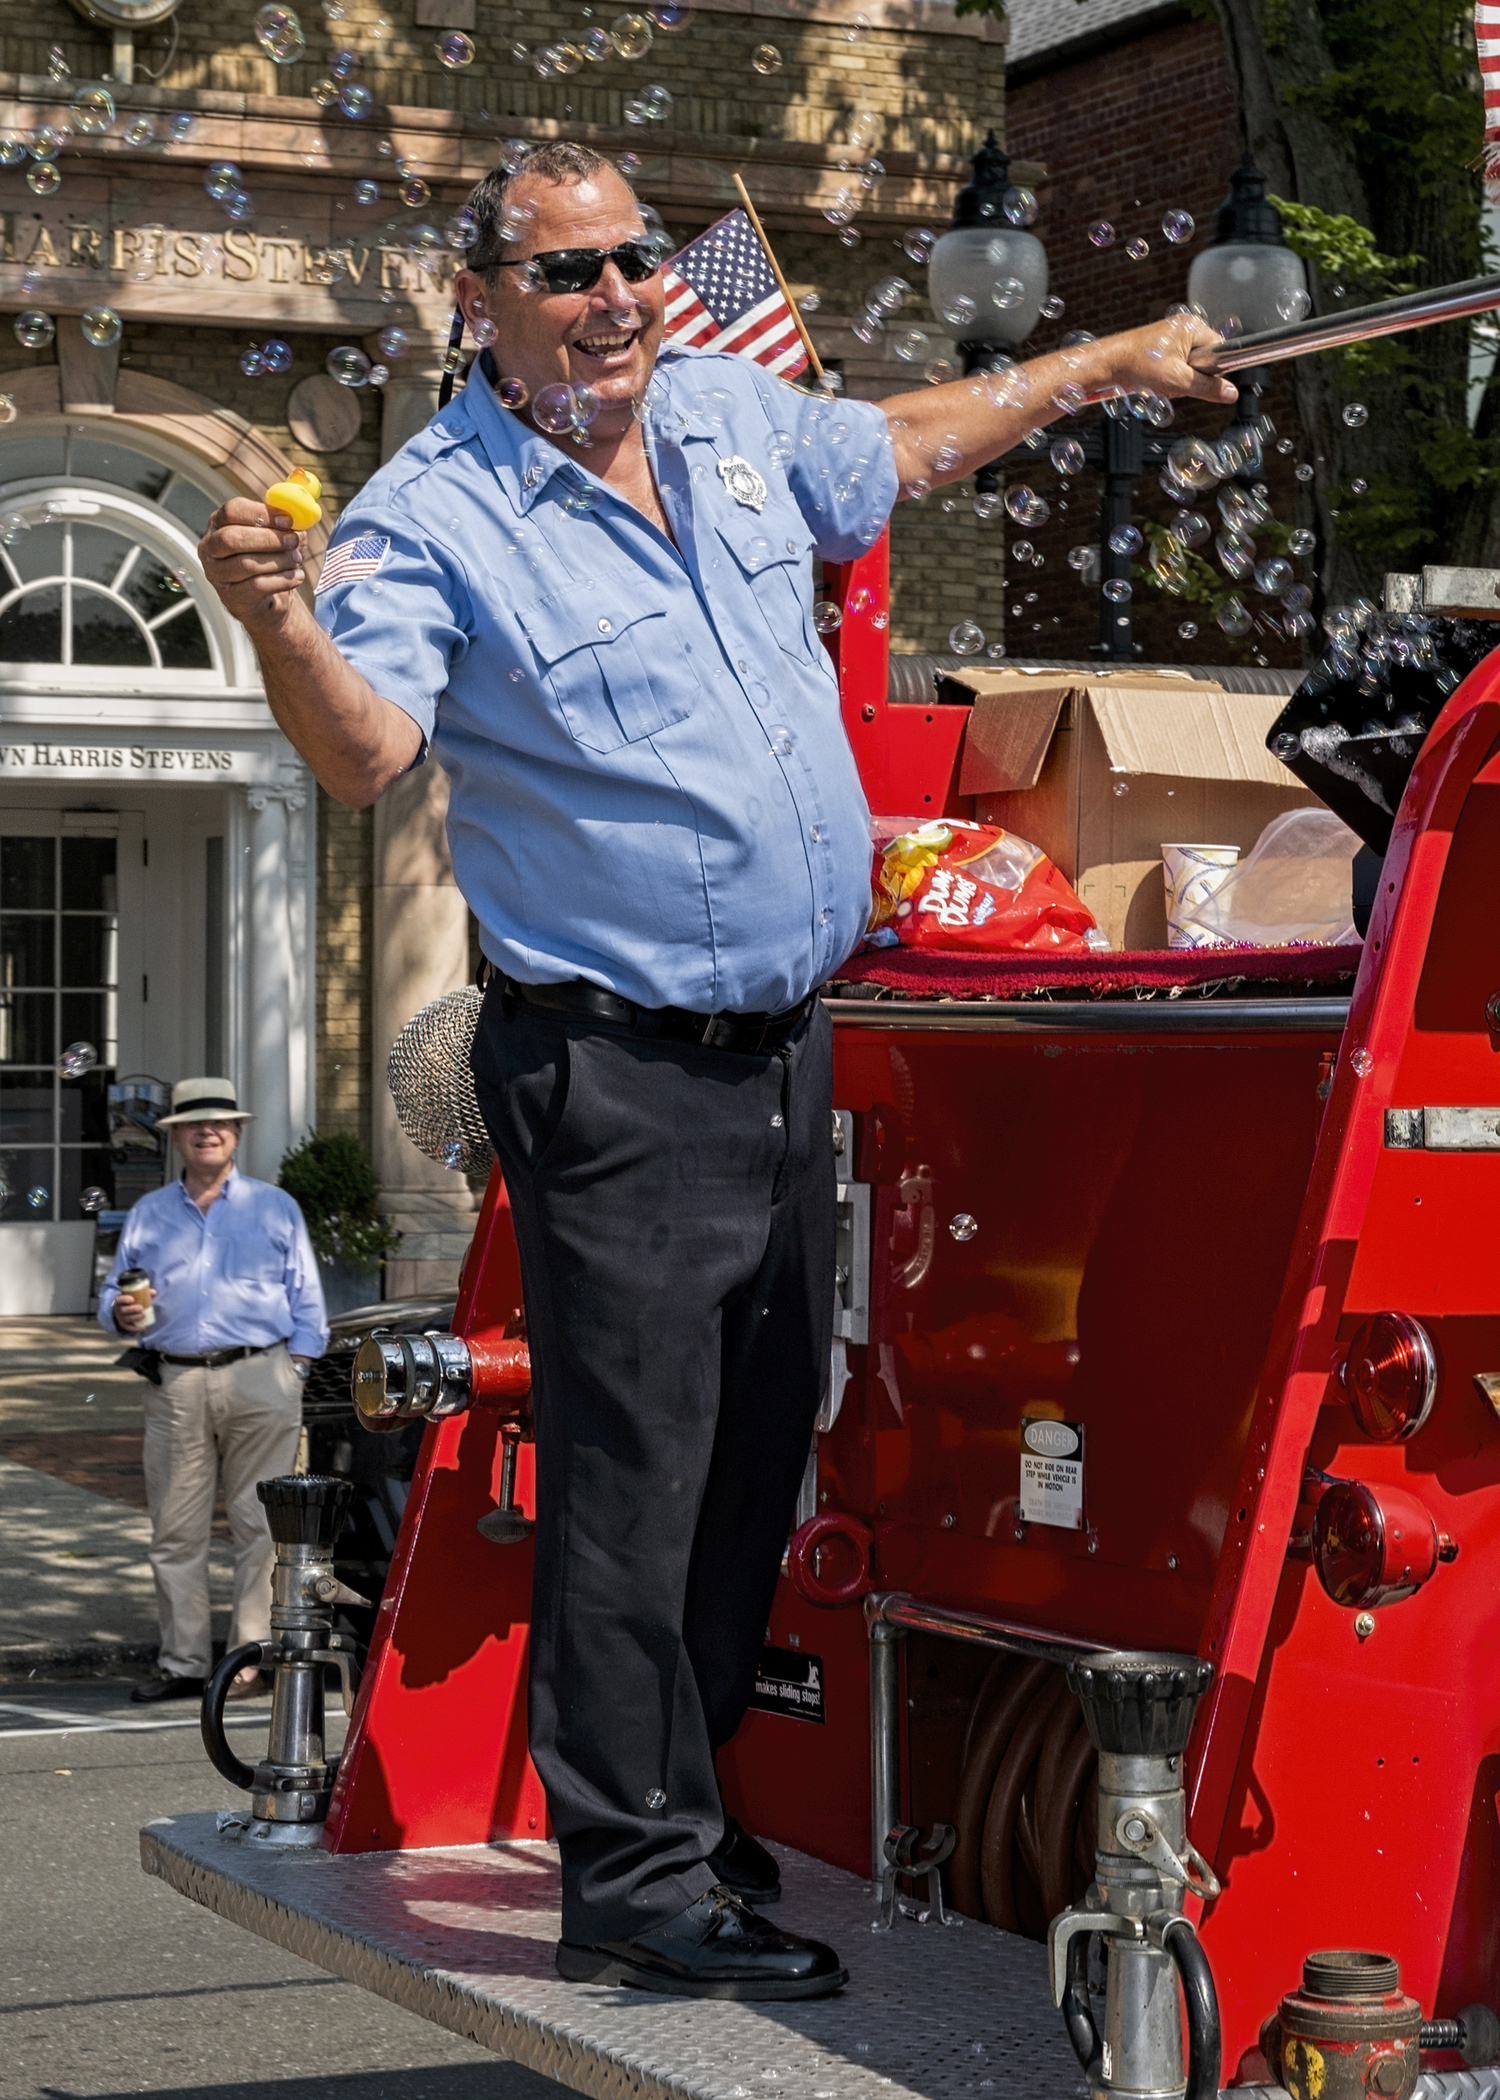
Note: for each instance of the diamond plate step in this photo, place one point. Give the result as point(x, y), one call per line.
point(465, 1937)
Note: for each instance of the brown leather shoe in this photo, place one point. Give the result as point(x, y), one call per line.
point(255, 1687)
point(165, 1686)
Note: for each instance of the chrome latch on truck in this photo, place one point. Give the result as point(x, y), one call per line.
point(851, 1318)
point(1442, 1129)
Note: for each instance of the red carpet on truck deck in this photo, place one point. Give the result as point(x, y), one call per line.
point(923, 974)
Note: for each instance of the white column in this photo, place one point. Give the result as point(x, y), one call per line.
point(421, 944)
point(408, 400)
point(271, 1006)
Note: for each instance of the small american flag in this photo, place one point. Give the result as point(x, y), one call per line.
point(1487, 37)
point(347, 563)
point(722, 294)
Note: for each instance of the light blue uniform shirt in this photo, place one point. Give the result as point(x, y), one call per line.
point(651, 784)
point(243, 1276)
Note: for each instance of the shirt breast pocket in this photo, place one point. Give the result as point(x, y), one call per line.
point(610, 661)
point(256, 1259)
point(774, 553)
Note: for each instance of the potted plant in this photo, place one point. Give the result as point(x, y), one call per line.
point(334, 1183)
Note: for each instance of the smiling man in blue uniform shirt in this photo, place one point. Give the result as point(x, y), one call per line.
point(657, 820)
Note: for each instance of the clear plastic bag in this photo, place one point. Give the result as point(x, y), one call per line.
point(1294, 888)
point(942, 883)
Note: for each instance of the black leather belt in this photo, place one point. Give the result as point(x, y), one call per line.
point(211, 1359)
point(745, 1033)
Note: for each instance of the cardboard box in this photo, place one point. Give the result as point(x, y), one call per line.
point(1101, 769)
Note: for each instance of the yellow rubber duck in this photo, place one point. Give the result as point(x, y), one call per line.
point(297, 497)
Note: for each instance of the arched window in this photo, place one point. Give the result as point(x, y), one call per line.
point(97, 565)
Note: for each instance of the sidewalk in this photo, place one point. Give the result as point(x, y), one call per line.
point(75, 1590)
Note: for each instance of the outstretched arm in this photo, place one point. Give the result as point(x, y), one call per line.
point(945, 432)
point(356, 742)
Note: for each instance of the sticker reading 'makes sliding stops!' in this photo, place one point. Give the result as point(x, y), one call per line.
point(1052, 1472)
point(789, 1682)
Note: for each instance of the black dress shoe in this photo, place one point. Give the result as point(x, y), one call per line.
point(744, 1866)
point(716, 1948)
point(167, 1687)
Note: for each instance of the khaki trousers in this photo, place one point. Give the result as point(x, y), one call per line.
point(242, 1420)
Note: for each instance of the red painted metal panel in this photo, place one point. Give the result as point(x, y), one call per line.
point(907, 756)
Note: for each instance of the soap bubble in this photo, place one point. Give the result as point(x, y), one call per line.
point(1121, 787)
point(1138, 249)
point(1301, 541)
point(1081, 558)
point(180, 126)
point(826, 616)
point(961, 311)
point(1008, 292)
point(454, 49)
point(966, 639)
point(350, 367)
point(77, 1059)
point(393, 343)
point(1295, 304)
point(1358, 487)
point(252, 363)
point(658, 103)
point(92, 1200)
point(344, 65)
point(140, 131)
point(238, 206)
point(1361, 1062)
point(1117, 589)
point(1355, 414)
point(221, 177)
point(1053, 307)
point(673, 15)
point(555, 409)
point(1020, 207)
point(1286, 746)
point(46, 142)
point(1191, 528)
point(1234, 617)
point(765, 58)
point(1067, 456)
point(919, 244)
point(1026, 506)
point(1125, 539)
point(849, 237)
point(1303, 471)
point(414, 192)
point(7, 409)
point(102, 327)
point(911, 346)
point(580, 501)
point(513, 394)
point(279, 34)
point(276, 355)
point(93, 110)
point(1178, 226)
point(45, 179)
point(12, 149)
point(781, 448)
point(38, 1197)
point(356, 100)
point(34, 331)
point(632, 35)
point(1101, 233)
point(1273, 576)
point(1236, 555)
point(379, 374)
point(1194, 463)
point(1188, 631)
point(1022, 550)
point(325, 93)
point(484, 331)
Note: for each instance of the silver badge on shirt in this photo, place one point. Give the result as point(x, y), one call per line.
point(742, 482)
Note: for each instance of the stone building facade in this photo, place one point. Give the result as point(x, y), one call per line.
point(237, 914)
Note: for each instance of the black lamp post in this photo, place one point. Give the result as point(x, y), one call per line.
point(986, 277)
point(1247, 279)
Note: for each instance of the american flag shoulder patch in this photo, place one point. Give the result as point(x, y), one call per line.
point(350, 560)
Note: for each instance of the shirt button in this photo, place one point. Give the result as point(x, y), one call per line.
point(743, 665)
point(824, 916)
point(606, 627)
point(783, 747)
point(791, 546)
point(816, 833)
point(776, 1122)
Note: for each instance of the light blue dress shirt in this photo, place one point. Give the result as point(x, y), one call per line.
point(651, 784)
point(243, 1275)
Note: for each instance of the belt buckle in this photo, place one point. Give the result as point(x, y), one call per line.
point(714, 1030)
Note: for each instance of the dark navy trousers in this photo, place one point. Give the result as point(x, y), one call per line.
point(674, 1209)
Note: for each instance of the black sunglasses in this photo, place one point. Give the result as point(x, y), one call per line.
point(579, 269)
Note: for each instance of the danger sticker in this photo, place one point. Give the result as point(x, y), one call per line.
point(789, 1682)
point(1052, 1473)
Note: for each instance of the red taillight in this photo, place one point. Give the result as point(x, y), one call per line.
point(1372, 1546)
point(1389, 1373)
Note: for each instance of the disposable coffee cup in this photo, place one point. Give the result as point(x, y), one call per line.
point(1193, 873)
point(135, 1284)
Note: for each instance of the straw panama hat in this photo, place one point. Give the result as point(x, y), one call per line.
point(205, 1101)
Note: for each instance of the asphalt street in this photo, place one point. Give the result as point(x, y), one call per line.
point(110, 1983)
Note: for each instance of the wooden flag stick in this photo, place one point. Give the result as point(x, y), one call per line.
point(786, 290)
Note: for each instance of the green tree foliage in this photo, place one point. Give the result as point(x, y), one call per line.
point(336, 1187)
